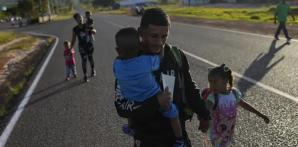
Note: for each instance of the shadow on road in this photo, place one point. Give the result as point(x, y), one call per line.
point(67, 86)
point(260, 67)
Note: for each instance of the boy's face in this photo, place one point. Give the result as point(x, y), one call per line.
point(154, 38)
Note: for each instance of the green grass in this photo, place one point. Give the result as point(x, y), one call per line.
point(264, 14)
point(14, 90)
point(25, 44)
point(64, 16)
point(6, 37)
point(105, 10)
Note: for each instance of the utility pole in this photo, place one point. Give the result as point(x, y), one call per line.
point(49, 10)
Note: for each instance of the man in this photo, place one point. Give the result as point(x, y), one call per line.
point(151, 129)
point(281, 14)
point(85, 46)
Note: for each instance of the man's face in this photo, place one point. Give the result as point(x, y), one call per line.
point(154, 38)
point(88, 15)
point(79, 19)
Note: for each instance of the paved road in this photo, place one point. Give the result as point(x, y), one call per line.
point(76, 114)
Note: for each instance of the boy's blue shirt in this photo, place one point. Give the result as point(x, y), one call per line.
point(135, 76)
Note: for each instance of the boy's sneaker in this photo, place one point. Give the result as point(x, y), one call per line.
point(127, 130)
point(180, 143)
point(289, 39)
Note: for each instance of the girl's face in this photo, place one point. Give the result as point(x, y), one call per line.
point(218, 84)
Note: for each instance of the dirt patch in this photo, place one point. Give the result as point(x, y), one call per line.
point(16, 72)
point(259, 28)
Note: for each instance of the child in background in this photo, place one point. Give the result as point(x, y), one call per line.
point(222, 100)
point(134, 74)
point(69, 55)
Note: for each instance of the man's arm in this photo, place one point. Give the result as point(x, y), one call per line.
point(192, 92)
point(73, 39)
point(132, 109)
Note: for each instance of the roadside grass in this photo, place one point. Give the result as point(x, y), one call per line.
point(262, 14)
point(63, 16)
point(6, 37)
point(107, 10)
point(13, 88)
point(25, 44)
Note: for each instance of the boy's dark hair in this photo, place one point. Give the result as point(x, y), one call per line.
point(127, 40)
point(154, 16)
point(223, 72)
point(76, 15)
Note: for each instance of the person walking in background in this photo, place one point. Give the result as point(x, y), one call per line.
point(70, 62)
point(281, 14)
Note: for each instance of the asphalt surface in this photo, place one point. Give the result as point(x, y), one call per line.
point(76, 114)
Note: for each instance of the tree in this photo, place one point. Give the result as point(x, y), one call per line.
point(103, 3)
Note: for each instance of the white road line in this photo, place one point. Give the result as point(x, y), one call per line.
point(269, 88)
point(9, 128)
point(225, 30)
point(232, 31)
point(248, 79)
point(110, 22)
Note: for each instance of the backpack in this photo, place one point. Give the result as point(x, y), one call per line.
point(178, 58)
point(206, 92)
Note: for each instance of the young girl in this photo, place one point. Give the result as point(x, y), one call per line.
point(222, 100)
point(69, 55)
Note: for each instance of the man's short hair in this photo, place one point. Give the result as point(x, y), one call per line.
point(154, 16)
point(88, 12)
point(127, 39)
point(76, 15)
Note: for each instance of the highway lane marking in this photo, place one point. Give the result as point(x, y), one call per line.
point(248, 79)
point(225, 30)
point(10, 126)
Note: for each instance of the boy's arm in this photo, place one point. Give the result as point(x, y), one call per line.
point(250, 108)
point(192, 92)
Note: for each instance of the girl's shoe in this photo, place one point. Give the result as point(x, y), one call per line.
point(127, 130)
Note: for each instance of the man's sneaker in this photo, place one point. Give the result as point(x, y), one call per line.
point(67, 78)
point(180, 143)
point(276, 38)
point(86, 79)
point(75, 76)
point(93, 73)
point(127, 130)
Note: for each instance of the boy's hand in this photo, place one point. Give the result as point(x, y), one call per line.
point(164, 99)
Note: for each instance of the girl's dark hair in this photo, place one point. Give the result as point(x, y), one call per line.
point(223, 72)
point(154, 16)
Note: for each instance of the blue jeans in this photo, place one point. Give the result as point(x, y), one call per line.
point(71, 70)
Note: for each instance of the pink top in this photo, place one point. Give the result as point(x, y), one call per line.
point(69, 55)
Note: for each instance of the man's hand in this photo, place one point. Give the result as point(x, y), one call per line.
point(204, 125)
point(165, 99)
point(275, 21)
